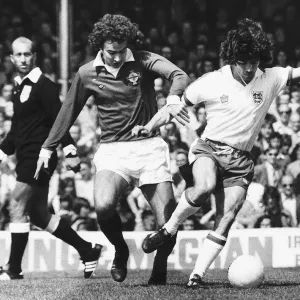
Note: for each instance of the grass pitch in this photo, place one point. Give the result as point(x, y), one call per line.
point(278, 284)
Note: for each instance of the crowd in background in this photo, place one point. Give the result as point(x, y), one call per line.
point(190, 37)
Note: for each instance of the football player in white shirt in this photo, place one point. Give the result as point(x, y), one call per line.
point(237, 98)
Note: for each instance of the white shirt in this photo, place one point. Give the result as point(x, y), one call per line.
point(290, 205)
point(273, 176)
point(235, 112)
point(282, 129)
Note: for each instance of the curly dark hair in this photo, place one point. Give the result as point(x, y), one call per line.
point(249, 40)
point(114, 27)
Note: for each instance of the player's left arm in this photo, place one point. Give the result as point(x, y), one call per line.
point(177, 110)
point(52, 105)
point(162, 67)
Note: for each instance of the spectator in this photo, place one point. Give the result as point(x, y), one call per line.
point(191, 223)
point(179, 183)
point(65, 209)
point(48, 69)
point(272, 204)
point(88, 121)
point(293, 169)
point(6, 93)
point(264, 135)
point(84, 143)
point(295, 98)
point(166, 51)
point(269, 172)
point(84, 182)
point(263, 221)
point(137, 202)
point(282, 126)
point(85, 219)
point(149, 222)
point(288, 198)
point(295, 127)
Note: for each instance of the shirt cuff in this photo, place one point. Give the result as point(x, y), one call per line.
point(173, 99)
point(45, 153)
point(69, 149)
point(2, 155)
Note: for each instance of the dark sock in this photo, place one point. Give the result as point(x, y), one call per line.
point(69, 236)
point(17, 249)
point(112, 229)
point(162, 254)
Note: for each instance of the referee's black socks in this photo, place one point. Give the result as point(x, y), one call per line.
point(19, 238)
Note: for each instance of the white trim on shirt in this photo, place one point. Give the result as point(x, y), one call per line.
point(33, 76)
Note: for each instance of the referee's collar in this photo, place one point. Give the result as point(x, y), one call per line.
point(33, 76)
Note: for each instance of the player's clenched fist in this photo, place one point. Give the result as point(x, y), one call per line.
point(140, 131)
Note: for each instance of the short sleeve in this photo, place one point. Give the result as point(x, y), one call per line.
point(198, 91)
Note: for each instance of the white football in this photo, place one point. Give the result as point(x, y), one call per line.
point(246, 271)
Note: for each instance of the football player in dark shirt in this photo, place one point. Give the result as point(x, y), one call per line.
point(122, 81)
point(36, 104)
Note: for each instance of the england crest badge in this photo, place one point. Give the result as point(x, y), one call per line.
point(224, 98)
point(133, 78)
point(257, 97)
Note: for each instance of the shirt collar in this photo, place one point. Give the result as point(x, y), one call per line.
point(227, 71)
point(98, 62)
point(284, 197)
point(33, 76)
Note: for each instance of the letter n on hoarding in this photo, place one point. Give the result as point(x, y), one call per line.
point(44, 255)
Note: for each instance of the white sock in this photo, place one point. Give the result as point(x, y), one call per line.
point(182, 212)
point(209, 250)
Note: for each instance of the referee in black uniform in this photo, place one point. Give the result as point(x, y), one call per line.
point(36, 105)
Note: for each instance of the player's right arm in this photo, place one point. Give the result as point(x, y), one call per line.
point(72, 106)
point(7, 146)
point(175, 108)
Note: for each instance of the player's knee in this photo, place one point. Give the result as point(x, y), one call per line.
point(105, 211)
point(201, 193)
point(17, 211)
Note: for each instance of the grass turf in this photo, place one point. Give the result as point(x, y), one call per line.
point(278, 284)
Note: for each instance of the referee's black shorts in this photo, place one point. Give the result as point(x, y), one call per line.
point(26, 167)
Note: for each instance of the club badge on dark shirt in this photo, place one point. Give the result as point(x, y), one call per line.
point(133, 78)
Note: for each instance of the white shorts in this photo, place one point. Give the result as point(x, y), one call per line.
point(145, 161)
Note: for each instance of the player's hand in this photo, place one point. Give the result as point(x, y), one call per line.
point(140, 131)
point(179, 112)
point(42, 163)
point(73, 163)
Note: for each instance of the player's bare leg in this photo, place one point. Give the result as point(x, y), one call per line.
point(228, 203)
point(31, 200)
point(108, 188)
point(19, 229)
point(39, 215)
point(162, 202)
point(204, 172)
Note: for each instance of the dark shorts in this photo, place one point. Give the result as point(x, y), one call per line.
point(26, 167)
point(234, 169)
